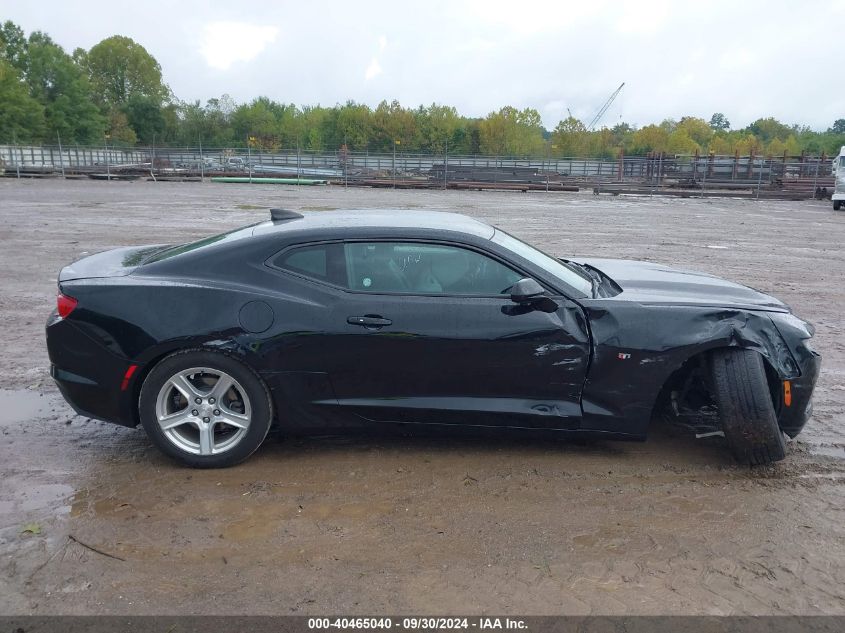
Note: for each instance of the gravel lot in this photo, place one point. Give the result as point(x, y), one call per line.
point(398, 525)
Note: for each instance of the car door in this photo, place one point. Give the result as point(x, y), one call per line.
point(426, 333)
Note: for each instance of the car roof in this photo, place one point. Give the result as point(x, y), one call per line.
point(336, 223)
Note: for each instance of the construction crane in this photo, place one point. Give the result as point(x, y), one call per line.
point(604, 108)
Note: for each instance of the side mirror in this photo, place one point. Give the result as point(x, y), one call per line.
point(527, 291)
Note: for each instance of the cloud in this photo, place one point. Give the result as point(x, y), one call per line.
point(225, 43)
point(643, 17)
point(373, 70)
point(479, 55)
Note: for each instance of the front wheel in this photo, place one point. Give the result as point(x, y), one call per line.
point(205, 409)
point(836, 205)
point(745, 406)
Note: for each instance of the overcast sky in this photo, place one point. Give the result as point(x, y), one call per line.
point(745, 58)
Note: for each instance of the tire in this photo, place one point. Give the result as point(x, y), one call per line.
point(836, 205)
point(741, 392)
point(226, 422)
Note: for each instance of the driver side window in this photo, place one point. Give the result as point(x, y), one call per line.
point(417, 268)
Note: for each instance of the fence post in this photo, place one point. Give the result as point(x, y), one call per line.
point(659, 168)
point(61, 157)
point(759, 178)
point(153, 159)
point(621, 169)
point(17, 162)
point(249, 158)
point(446, 165)
point(695, 167)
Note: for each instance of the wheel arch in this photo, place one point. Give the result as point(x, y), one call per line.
point(153, 356)
point(699, 358)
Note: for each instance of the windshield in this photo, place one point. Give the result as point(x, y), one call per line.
point(570, 276)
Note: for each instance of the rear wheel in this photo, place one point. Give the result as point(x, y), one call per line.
point(746, 411)
point(205, 409)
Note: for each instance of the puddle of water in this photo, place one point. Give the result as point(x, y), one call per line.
point(20, 405)
point(28, 498)
point(37, 497)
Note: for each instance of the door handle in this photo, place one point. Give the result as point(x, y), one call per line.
point(369, 321)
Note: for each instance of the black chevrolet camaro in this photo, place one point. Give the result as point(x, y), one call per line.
point(334, 321)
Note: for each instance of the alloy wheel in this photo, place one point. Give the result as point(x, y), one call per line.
point(203, 411)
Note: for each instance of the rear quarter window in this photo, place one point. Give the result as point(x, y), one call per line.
point(323, 262)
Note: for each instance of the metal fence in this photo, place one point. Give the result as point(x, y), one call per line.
point(797, 176)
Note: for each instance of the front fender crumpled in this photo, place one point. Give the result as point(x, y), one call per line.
point(668, 336)
point(637, 347)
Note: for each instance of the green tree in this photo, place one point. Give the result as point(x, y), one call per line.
point(13, 45)
point(467, 137)
point(651, 138)
point(721, 144)
point(747, 144)
point(391, 123)
point(622, 135)
point(680, 142)
point(119, 68)
point(790, 146)
point(720, 122)
point(63, 89)
point(257, 122)
point(21, 116)
point(511, 132)
point(353, 126)
point(698, 130)
point(769, 128)
point(119, 131)
point(146, 117)
point(314, 123)
point(436, 127)
point(838, 127)
point(202, 125)
point(570, 137)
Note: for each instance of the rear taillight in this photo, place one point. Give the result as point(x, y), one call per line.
point(65, 305)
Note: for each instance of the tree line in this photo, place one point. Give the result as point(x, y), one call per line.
point(115, 94)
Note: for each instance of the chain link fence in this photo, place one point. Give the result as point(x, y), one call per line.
point(749, 176)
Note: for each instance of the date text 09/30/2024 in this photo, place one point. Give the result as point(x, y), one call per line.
point(418, 623)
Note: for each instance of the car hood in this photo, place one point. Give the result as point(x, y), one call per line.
point(647, 282)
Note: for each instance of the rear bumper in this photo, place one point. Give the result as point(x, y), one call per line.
point(88, 375)
point(793, 418)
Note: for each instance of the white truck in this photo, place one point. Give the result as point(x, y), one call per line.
point(839, 179)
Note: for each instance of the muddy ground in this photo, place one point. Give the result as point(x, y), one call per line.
point(398, 525)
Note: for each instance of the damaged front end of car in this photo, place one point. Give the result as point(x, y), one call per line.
point(642, 350)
